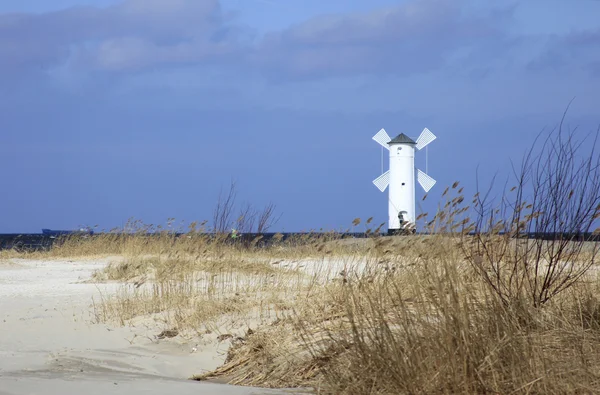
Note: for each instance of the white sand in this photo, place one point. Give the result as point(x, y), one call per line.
point(50, 345)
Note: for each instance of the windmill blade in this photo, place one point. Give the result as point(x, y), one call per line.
point(425, 138)
point(382, 138)
point(382, 181)
point(425, 181)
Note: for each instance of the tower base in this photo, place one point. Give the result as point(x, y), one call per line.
point(401, 232)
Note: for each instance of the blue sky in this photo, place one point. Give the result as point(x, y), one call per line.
point(112, 109)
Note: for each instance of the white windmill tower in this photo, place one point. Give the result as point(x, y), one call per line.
point(401, 177)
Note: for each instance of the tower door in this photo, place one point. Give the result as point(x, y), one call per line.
point(402, 217)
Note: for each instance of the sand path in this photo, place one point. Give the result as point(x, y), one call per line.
point(50, 345)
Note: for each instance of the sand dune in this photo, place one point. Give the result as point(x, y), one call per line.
point(49, 343)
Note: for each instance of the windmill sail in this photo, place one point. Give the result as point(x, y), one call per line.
point(425, 138)
point(382, 181)
point(382, 138)
point(425, 181)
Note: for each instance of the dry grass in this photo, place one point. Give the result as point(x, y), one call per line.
point(380, 315)
point(194, 297)
point(394, 315)
point(450, 313)
point(429, 326)
point(7, 255)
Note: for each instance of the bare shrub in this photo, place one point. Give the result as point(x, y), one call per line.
point(267, 219)
point(223, 212)
point(556, 200)
point(430, 330)
point(246, 219)
point(249, 220)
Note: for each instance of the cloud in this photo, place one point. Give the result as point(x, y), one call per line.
point(415, 37)
point(134, 34)
point(577, 51)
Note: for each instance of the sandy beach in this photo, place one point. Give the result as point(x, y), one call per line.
point(50, 344)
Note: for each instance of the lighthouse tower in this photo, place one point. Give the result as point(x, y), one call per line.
point(401, 205)
point(401, 177)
